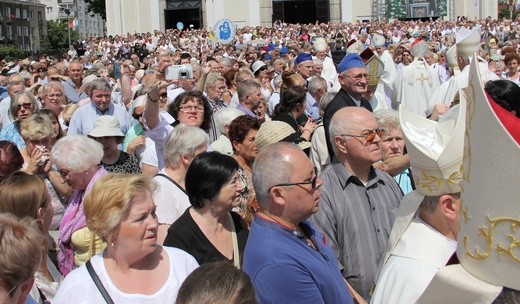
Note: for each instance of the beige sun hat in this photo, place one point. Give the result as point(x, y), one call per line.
point(86, 81)
point(274, 131)
point(106, 125)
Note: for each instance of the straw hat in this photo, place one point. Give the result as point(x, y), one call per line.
point(274, 131)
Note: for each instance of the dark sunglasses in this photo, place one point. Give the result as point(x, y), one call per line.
point(311, 182)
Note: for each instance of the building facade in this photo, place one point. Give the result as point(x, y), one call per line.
point(87, 24)
point(124, 16)
point(22, 24)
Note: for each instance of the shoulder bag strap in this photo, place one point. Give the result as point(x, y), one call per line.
point(172, 181)
point(98, 283)
point(236, 254)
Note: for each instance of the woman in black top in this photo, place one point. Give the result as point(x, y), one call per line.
point(291, 110)
point(209, 230)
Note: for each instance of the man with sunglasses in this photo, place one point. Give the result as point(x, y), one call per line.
point(353, 78)
point(358, 202)
point(286, 257)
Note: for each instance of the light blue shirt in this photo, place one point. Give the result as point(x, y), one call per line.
point(82, 121)
point(72, 94)
point(312, 109)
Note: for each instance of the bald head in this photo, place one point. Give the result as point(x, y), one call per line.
point(349, 131)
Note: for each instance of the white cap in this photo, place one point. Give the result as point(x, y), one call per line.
point(257, 65)
point(467, 42)
point(320, 45)
point(378, 40)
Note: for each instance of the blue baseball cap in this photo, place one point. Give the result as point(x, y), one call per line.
point(350, 61)
point(284, 50)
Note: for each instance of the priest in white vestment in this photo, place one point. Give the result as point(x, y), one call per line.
point(386, 82)
point(423, 238)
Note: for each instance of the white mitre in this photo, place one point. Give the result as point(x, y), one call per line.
point(488, 242)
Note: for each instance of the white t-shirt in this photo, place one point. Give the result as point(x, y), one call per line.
point(78, 286)
point(170, 200)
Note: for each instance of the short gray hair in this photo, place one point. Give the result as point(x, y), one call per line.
point(247, 87)
point(212, 78)
point(387, 119)
point(270, 168)
point(225, 117)
point(429, 203)
point(338, 126)
point(316, 83)
point(76, 153)
point(100, 84)
point(183, 141)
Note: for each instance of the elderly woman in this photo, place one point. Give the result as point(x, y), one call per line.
point(394, 162)
point(223, 119)
point(54, 99)
point(26, 195)
point(242, 134)
point(57, 131)
point(23, 105)
point(77, 159)
point(20, 248)
point(183, 144)
point(37, 133)
point(133, 268)
point(512, 60)
point(108, 133)
point(189, 108)
point(209, 230)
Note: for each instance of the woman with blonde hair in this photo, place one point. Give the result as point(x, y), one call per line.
point(20, 242)
point(25, 195)
point(37, 134)
point(133, 268)
point(54, 99)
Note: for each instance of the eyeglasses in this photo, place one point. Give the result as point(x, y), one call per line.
point(308, 182)
point(25, 105)
point(187, 109)
point(358, 77)
point(369, 136)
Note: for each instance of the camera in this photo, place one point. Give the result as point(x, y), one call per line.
point(179, 72)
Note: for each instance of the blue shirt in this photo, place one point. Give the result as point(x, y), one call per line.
point(246, 110)
point(72, 94)
point(312, 109)
point(82, 121)
point(10, 133)
point(285, 269)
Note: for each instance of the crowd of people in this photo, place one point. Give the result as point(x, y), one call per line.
point(314, 163)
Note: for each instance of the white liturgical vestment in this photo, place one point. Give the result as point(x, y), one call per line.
point(386, 82)
point(419, 254)
point(415, 86)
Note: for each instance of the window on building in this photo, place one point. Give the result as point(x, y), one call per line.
point(24, 13)
point(31, 14)
point(17, 13)
point(1, 33)
point(49, 9)
point(9, 32)
point(8, 13)
point(18, 30)
point(25, 31)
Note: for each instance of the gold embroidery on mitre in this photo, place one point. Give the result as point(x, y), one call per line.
point(488, 234)
point(432, 183)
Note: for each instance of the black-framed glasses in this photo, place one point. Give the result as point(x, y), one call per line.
point(369, 136)
point(307, 182)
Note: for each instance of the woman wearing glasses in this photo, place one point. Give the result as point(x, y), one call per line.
point(22, 106)
point(209, 230)
point(190, 108)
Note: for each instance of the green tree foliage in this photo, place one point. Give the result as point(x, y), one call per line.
point(57, 35)
point(11, 52)
point(97, 7)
